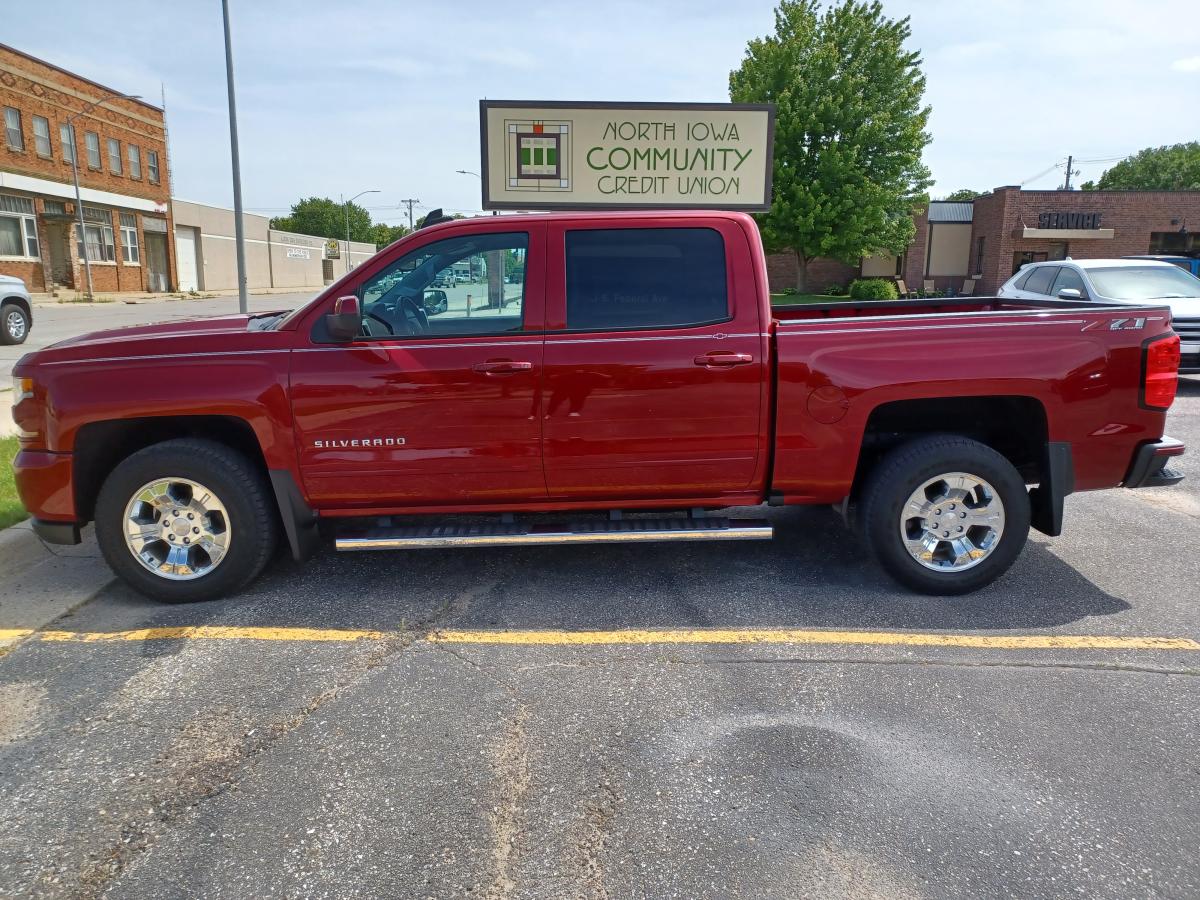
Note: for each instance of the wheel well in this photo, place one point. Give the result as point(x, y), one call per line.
point(19, 301)
point(1012, 426)
point(101, 446)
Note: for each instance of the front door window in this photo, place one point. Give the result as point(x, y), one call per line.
point(472, 285)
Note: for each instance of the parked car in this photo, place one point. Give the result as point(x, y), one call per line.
point(1131, 281)
point(644, 371)
point(435, 302)
point(16, 310)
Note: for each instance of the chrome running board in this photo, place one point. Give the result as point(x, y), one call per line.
point(624, 531)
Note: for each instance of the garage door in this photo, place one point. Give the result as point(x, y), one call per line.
point(185, 258)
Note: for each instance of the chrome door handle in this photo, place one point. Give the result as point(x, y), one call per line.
point(723, 359)
point(502, 366)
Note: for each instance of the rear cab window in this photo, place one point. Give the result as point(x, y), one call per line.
point(645, 278)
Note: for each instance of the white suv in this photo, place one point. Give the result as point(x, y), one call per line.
point(1118, 281)
point(16, 310)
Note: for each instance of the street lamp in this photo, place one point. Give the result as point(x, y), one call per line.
point(111, 95)
point(346, 207)
point(495, 212)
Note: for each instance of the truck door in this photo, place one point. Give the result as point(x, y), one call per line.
point(654, 361)
point(437, 403)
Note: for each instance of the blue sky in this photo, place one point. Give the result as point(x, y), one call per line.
point(345, 96)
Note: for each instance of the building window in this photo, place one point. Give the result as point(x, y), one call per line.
point(135, 162)
point(114, 156)
point(66, 134)
point(129, 239)
point(979, 256)
point(91, 141)
point(12, 129)
point(41, 136)
point(97, 239)
point(152, 165)
point(1025, 257)
point(18, 227)
point(54, 207)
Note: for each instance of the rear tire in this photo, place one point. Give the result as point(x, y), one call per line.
point(14, 324)
point(186, 520)
point(945, 515)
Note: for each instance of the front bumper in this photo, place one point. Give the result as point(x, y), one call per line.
point(45, 486)
point(1189, 345)
point(1149, 466)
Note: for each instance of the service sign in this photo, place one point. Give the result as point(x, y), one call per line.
point(552, 155)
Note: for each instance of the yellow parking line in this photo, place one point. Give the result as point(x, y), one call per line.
point(792, 636)
point(216, 633)
point(634, 636)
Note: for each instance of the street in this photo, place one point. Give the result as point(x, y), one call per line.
point(54, 322)
point(728, 720)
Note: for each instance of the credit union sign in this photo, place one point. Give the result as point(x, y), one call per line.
point(553, 155)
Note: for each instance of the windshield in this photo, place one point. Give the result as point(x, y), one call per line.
point(1144, 282)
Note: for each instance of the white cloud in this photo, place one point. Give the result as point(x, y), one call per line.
point(1187, 64)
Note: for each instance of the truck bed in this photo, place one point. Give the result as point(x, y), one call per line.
point(1000, 364)
point(922, 306)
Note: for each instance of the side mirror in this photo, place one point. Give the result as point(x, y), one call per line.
point(345, 322)
point(1070, 294)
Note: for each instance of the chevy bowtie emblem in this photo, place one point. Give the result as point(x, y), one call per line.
point(339, 443)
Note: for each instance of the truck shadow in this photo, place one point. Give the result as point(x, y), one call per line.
point(813, 575)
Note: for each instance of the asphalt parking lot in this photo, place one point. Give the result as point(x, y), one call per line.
point(731, 720)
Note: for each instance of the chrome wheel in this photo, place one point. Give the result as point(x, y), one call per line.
point(177, 528)
point(952, 522)
point(14, 324)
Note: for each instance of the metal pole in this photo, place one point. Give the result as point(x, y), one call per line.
point(346, 210)
point(87, 263)
point(239, 228)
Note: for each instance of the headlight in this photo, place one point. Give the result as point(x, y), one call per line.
point(22, 389)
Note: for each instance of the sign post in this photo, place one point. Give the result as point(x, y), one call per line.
point(554, 155)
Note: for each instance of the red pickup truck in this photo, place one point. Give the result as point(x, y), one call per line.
point(587, 378)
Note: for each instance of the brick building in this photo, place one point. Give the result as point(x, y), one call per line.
point(992, 237)
point(120, 145)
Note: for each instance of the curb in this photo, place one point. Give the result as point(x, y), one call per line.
point(41, 584)
point(20, 548)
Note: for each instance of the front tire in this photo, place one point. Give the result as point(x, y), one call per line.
point(945, 515)
point(186, 520)
point(14, 324)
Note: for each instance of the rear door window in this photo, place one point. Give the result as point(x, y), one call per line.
point(636, 278)
point(1040, 279)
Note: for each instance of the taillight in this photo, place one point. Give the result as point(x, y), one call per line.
point(1160, 371)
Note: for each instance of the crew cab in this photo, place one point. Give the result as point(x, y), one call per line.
point(632, 383)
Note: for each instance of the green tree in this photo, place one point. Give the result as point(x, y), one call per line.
point(963, 194)
point(849, 130)
point(322, 217)
point(1173, 168)
point(383, 234)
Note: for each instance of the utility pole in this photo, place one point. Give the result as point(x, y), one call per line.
point(410, 212)
point(1067, 183)
point(239, 228)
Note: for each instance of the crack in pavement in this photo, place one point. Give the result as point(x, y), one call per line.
point(214, 773)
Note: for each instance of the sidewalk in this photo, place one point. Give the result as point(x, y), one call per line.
point(40, 582)
point(67, 297)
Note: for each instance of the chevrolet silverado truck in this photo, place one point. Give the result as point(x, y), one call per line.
point(613, 377)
